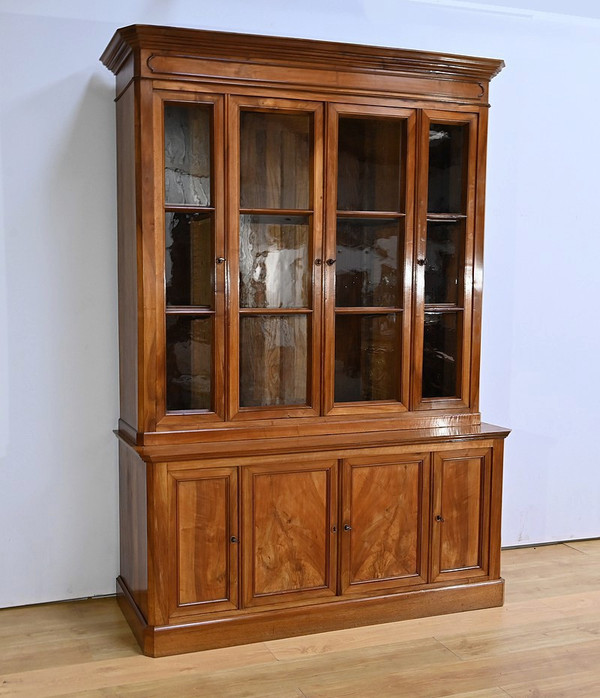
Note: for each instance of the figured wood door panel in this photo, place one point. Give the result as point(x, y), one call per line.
point(288, 532)
point(385, 515)
point(204, 540)
point(461, 514)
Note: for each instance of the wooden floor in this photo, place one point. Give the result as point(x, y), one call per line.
point(544, 642)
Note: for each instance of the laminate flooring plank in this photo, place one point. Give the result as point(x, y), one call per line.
point(455, 677)
point(545, 642)
point(582, 684)
point(589, 547)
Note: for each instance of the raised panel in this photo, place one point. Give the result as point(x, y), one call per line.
point(460, 537)
point(385, 503)
point(204, 520)
point(289, 544)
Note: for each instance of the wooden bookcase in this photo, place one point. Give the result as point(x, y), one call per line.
point(300, 278)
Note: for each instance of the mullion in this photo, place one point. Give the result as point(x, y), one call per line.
point(276, 211)
point(275, 311)
point(187, 208)
point(191, 310)
point(367, 310)
point(370, 214)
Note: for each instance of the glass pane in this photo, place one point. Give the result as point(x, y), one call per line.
point(444, 261)
point(367, 268)
point(274, 269)
point(275, 160)
point(369, 159)
point(187, 154)
point(189, 259)
point(441, 354)
point(367, 357)
point(447, 168)
point(189, 362)
point(273, 360)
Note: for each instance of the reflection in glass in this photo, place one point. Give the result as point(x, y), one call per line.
point(275, 155)
point(189, 362)
point(441, 354)
point(368, 252)
point(444, 260)
point(189, 259)
point(187, 154)
point(273, 360)
point(367, 357)
point(447, 168)
point(274, 270)
point(369, 158)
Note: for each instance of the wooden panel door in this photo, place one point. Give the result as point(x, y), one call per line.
point(384, 522)
point(289, 532)
point(203, 540)
point(461, 514)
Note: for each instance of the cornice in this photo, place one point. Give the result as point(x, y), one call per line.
point(251, 48)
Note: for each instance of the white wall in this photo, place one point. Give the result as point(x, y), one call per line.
point(58, 344)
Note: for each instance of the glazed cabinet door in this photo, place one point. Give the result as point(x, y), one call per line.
point(275, 170)
point(461, 514)
point(289, 532)
point(203, 540)
point(368, 280)
point(189, 220)
point(385, 514)
point(445, 259)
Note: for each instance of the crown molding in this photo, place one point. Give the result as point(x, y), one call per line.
point(308, 53)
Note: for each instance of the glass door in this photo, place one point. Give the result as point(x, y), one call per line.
point(444, 271)
point(192, 327)
point(275, 162)
point(369, 252)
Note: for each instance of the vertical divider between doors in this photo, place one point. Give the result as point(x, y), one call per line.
point(227, 254)
point(329, 232)
point(411, 165)
point(418, 279)
point(340, 557)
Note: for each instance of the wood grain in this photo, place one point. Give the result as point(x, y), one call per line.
point(385, 501)
point(460, 515)
point(287, 540)
point(204, 514)
point(127, 251)
point(133, 530)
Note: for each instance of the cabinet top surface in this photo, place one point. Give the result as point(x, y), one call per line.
point(295, 52)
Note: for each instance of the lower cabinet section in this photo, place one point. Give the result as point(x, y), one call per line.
point(264, 548)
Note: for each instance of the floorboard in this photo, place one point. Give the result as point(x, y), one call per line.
point(545, 642)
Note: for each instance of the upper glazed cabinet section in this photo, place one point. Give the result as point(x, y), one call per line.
point(306, 220)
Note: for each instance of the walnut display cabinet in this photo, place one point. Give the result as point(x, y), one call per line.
point(300, 279)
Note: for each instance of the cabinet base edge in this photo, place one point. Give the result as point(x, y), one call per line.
point(160, 641)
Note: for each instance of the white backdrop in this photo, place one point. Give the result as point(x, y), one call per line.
point(58, 314)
